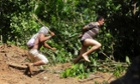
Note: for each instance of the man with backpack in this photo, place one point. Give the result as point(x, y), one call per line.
point(35, 43)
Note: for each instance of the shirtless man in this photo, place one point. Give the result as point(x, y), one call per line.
point(35, 43)
point(87, 39)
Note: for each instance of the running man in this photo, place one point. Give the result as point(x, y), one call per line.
point(88, 39)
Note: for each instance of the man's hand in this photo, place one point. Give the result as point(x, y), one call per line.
point(53, 49)
point(52, 34)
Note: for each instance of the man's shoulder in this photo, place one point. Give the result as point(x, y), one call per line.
point(41, 34)
point(93, 23)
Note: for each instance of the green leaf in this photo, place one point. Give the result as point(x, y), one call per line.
point(127, 59)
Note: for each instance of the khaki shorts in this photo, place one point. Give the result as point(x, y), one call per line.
point(35, 55)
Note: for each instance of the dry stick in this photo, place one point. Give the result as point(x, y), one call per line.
point(40, 22)
point(92, 78)
point(106, 55)
point(17, 65)
point(1, 39)
point(110, 77)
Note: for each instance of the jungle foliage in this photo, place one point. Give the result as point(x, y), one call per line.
point(119, 36)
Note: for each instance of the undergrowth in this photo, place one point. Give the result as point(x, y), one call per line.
point(83, 69)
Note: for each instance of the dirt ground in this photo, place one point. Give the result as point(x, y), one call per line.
point(14, 75)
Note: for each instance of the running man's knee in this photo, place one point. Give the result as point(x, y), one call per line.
point(45, 61)
point(99, 45)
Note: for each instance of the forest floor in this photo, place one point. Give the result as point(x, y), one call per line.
point(16, 75)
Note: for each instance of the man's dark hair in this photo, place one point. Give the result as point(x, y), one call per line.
point(99, 18)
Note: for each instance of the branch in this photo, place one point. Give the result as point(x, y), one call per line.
point(40, 21)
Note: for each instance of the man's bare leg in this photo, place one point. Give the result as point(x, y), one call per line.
point(30, 68)
point(95, 45)
point(31, 65)
point(83, 49)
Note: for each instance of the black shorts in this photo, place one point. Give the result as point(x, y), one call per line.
point(82, 41)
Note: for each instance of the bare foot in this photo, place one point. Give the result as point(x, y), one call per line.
point(86, 58)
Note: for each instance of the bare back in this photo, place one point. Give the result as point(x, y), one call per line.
point(38, 43)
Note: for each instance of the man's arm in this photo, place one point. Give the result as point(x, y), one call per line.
point(87, 27)
point(48, 46)
point(43, 38)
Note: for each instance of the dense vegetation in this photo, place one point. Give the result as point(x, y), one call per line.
point(119, 36)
